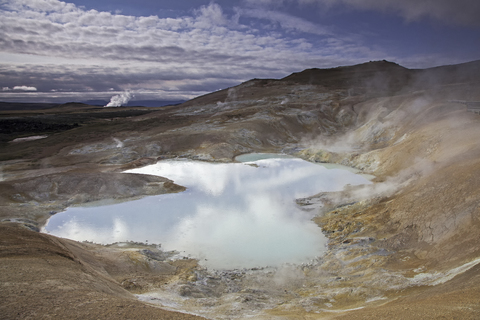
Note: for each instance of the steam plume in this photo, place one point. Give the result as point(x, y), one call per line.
point(120, 99)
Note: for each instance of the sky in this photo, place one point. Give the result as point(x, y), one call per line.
point(78, 50)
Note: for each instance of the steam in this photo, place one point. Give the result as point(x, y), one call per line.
point(378, 122)
point(119, 142)
point(232, 95)
point(120, 99)
point(381, 123)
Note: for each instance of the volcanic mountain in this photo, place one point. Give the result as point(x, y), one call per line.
point(405, 246)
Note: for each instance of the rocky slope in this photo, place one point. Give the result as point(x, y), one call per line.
point(406, 246)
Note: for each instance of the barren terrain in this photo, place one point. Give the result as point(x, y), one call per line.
point(403, 247)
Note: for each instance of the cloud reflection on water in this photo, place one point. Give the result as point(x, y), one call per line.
point(231, 216)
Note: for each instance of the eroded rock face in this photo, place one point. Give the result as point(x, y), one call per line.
point(417, 225)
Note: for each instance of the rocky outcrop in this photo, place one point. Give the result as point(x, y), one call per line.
point(44, 195)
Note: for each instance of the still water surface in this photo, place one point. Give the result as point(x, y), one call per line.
point(236, 215)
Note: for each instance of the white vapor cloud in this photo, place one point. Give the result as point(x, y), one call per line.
point(24, 88)
point(209, 16)
point(286, 21)
point(120, 99)
point(208, 37)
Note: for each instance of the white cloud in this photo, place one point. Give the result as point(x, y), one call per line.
point(83, 34)
point(208, 37)
point(24, 88)
point(210, 16)
point(40, 5)
point(286, 21)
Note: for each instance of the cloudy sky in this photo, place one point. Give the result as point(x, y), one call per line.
point(172, 50)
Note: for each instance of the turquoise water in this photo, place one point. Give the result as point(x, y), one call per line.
point(236, 215)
